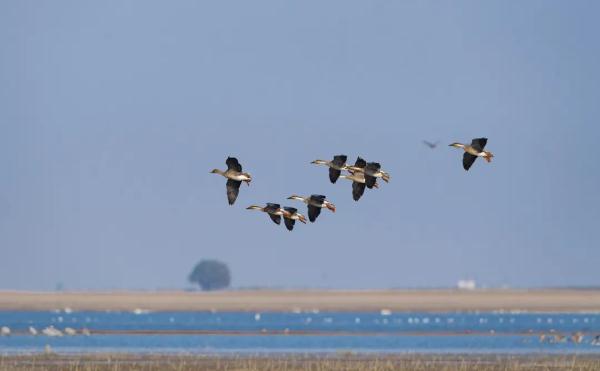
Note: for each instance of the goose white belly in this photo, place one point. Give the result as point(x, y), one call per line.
point(359, 179)
point(315, 204)
point(239, 177)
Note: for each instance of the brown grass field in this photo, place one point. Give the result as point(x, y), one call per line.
point(306, 300)
point(350, 362)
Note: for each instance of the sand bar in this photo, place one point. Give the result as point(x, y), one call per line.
point(308, 300)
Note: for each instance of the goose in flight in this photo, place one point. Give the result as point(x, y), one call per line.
point(358, 179)
point(335, 166)
point(274, 210)
point(315, 204)
point(234, 176)
point(290, 215)
point(473, 151)
point(371, 171)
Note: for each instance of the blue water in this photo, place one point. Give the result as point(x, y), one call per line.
point(321, 332)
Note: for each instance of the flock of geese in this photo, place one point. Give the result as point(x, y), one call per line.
point(363, 175)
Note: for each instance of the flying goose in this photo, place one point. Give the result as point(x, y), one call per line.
point(371, 171)
point(274, 211)
point(473, 151)
point(315, 204)
point(234, 176)
point(335, 167)
point(358, 179)
point(290, 215)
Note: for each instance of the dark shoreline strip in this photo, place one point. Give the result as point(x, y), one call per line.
point(314, 333)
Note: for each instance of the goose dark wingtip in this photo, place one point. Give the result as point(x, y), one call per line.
point(358, 189)
point(360, 162)
point(313, 213)
point(275, 218)
point(334, 174)
point(289, 224)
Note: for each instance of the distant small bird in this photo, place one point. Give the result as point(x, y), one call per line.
point(52, 332)
point(315, 203)
point(335, 167)
point(290, 215)
point(596, 340)
point(358, 179)
point(558, 338)
point(33, 331)
point(274, 210)
point(70, 331)
point(577, 337)
point(5, 331)
point(235, 177)
point(473, 151)
point(431, 145)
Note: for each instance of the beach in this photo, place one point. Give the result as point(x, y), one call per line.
point(566, 300)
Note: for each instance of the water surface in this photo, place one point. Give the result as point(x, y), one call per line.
point(307, 332)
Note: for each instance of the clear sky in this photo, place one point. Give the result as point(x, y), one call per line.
point(112, 114)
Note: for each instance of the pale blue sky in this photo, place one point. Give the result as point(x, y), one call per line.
point(113, 113)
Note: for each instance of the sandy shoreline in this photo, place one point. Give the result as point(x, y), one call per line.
point(309, 300)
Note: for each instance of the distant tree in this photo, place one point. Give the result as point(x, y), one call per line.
point(210, 275)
